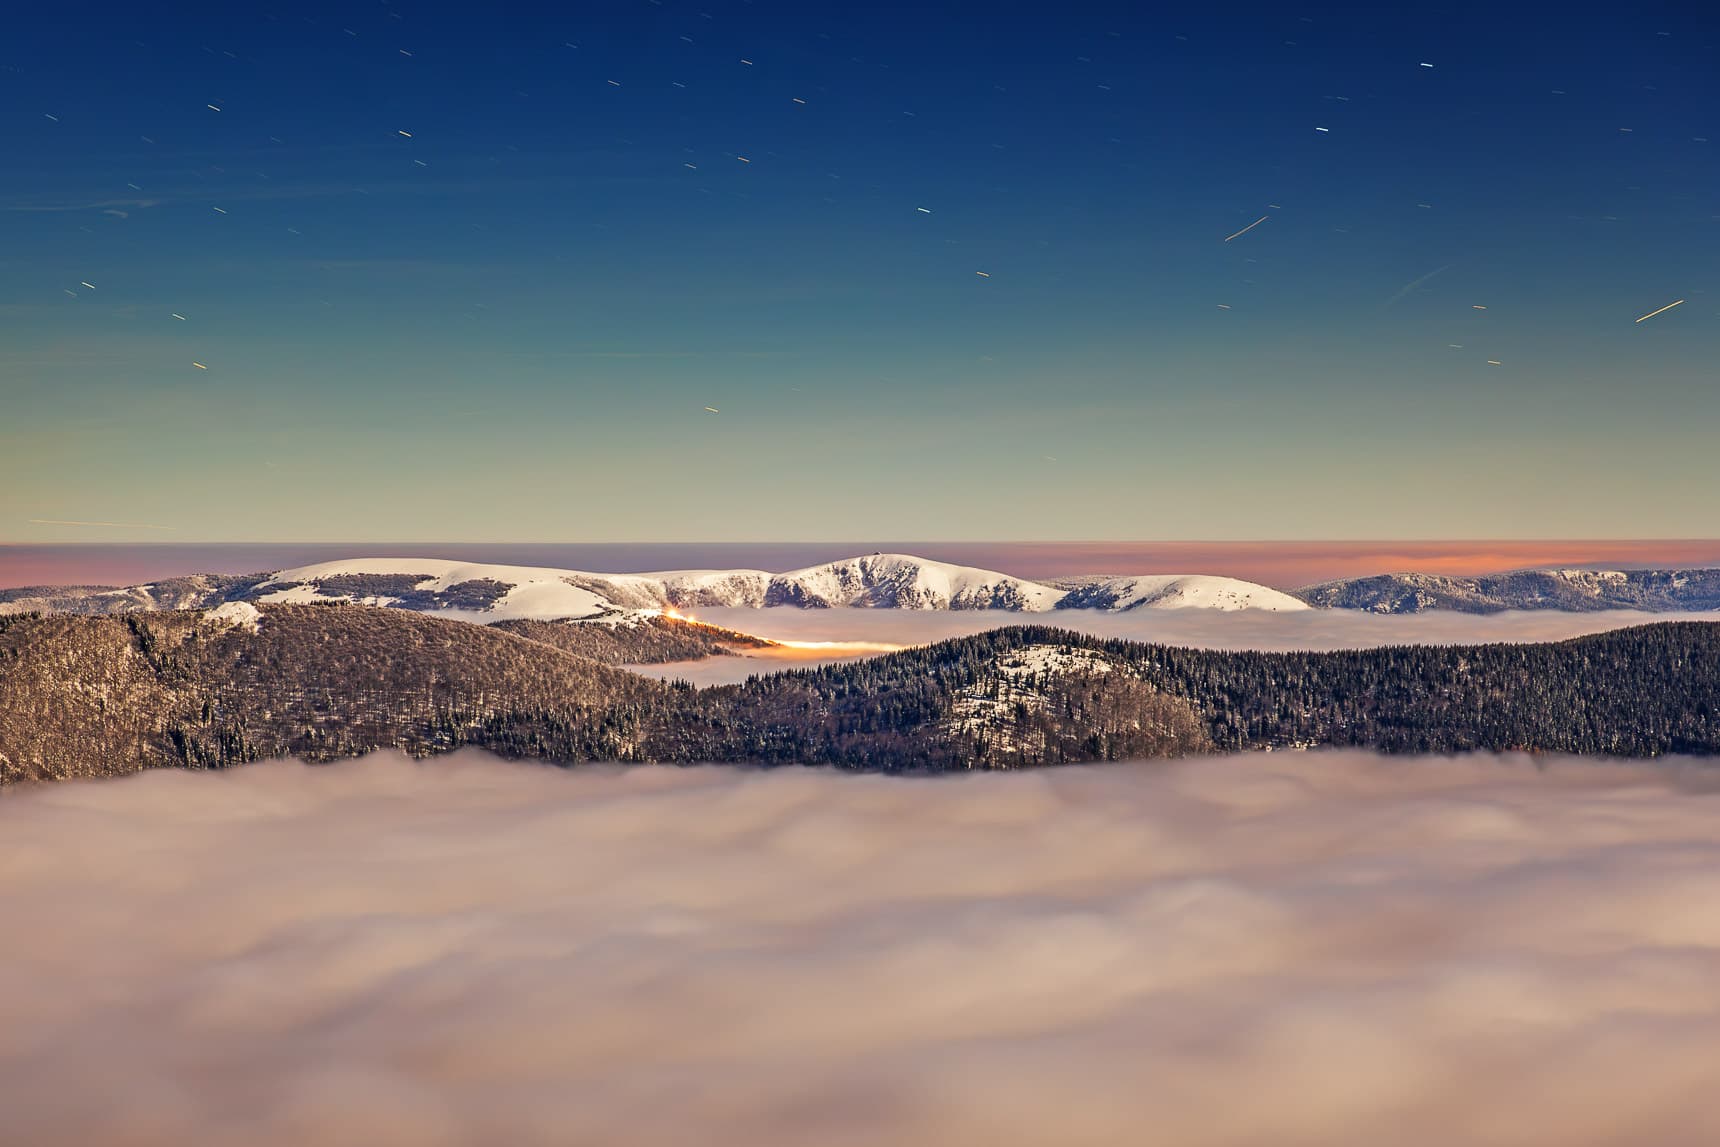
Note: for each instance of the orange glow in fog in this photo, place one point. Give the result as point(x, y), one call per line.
point(840, 646)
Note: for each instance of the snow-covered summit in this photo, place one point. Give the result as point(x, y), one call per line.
point(235, 615)
point(440, 586)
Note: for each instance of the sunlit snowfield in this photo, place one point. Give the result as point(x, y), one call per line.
point(1272, 949)
point(870, 630)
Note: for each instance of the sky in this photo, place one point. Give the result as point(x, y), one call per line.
point(728, 271)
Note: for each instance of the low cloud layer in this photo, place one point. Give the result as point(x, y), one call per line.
point(1272, 949)
point(1321, 629)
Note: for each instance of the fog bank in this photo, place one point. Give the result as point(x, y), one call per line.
point(1272, 949)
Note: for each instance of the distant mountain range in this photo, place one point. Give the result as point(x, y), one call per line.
point(1573, 590)
point(106, 695)
point(498, 592)
point(489, 593)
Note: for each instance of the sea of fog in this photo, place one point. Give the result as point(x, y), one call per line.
point(868, 631)
point(1277, 949)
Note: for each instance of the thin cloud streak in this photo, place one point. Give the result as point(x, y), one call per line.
point(113, 525)
point(97, 205)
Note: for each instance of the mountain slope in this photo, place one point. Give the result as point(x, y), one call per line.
point(1173, 591)
point(193, 592)
point(97, 696)
point(696, 589)
point(440, 586)
point(635, 639)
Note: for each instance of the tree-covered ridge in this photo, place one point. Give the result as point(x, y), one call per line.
point(93, 696)
point(85, 696)
point(635, 641)
point(1641, 691)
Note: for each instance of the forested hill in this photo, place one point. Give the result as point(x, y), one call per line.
point(1643, 691)
point(636, 640)
point(92, 696)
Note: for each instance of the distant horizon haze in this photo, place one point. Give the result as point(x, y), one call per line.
point(1280, 564)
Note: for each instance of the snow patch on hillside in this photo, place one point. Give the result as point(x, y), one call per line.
point(235, 615)
point(1043, 660)
point(1021, 677)
point(295, 595)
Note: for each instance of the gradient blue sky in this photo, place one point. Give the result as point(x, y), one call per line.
point(508, 325)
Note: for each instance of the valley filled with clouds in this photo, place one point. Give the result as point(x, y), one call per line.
point(1273, 948)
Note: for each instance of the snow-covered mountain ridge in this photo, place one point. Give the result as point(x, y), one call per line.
point(481, 592)
point(874, 581)
point(484, 593)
